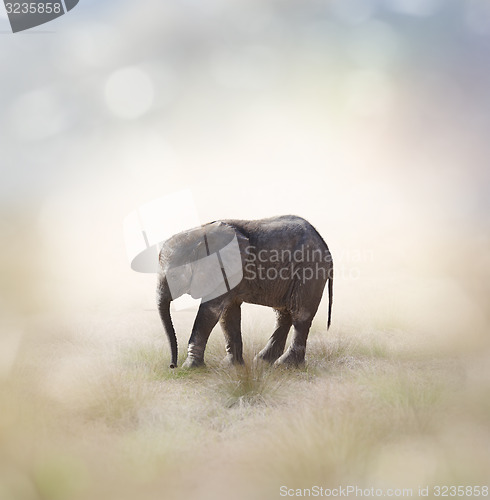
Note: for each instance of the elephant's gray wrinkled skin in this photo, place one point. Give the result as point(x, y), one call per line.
point(276, 257)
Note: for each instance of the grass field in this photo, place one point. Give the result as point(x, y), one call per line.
point(90, 410)
point(369, 118)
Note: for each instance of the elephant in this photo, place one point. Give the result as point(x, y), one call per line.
point(281, 262)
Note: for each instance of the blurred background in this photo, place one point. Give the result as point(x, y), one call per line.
point(371, 119)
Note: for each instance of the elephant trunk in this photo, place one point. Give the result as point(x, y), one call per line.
point(164, 310)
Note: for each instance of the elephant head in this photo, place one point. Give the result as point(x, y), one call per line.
point(204, 262)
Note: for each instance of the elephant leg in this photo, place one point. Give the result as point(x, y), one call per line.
point(275, 346)
point(230, 324)
point(206, 319)
point(295, 355)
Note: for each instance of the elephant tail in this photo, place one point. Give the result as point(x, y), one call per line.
point(330, 297)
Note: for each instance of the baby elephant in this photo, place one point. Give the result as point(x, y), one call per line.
point(280, 262)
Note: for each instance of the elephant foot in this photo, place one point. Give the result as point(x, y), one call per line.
point(267, 355)
point(192, 363)
point(231, 360)
point(292, 358)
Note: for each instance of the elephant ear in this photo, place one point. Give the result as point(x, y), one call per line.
point(218, 266)
point(207, 278)
point(178, 279)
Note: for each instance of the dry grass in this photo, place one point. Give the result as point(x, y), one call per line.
point(90, 415)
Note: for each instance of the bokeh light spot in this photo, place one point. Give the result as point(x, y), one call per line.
point(38, 115)
point(129, 92)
